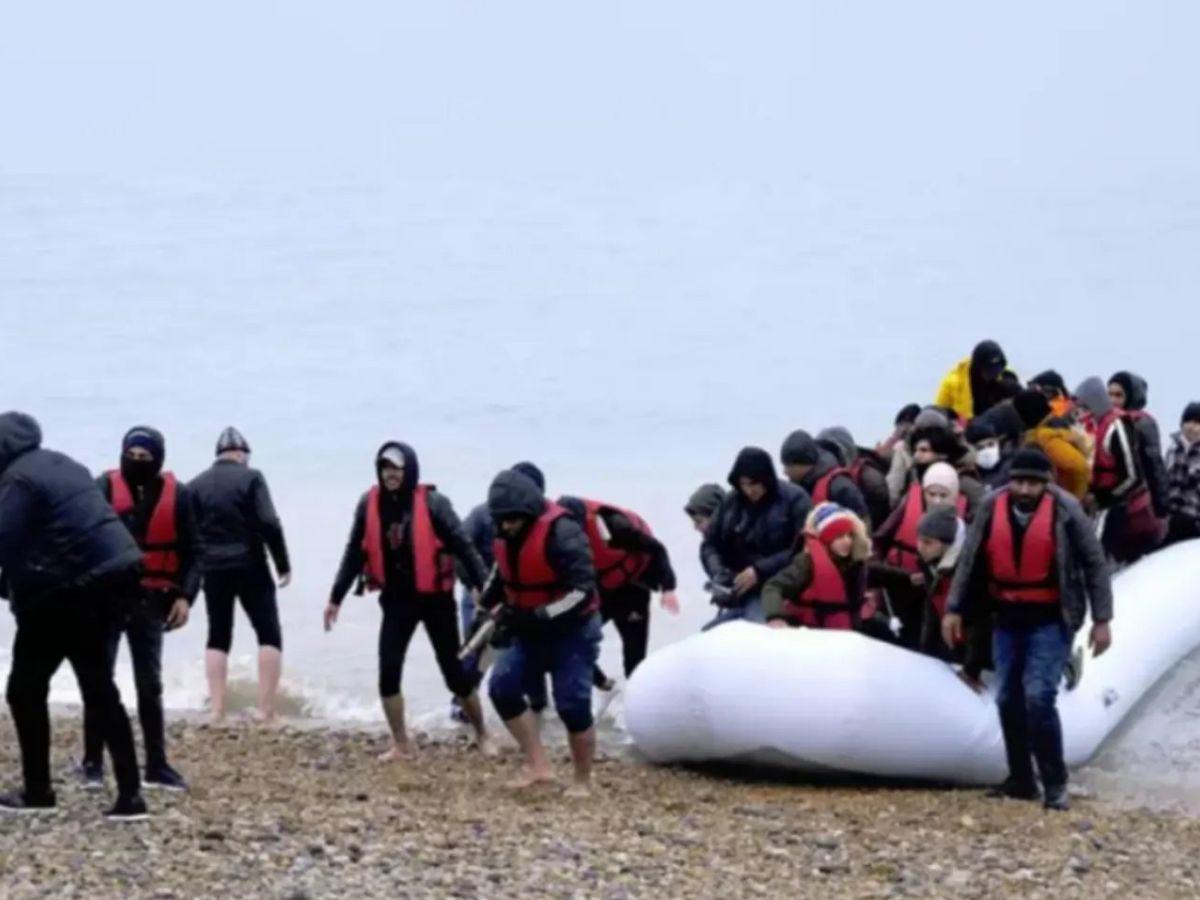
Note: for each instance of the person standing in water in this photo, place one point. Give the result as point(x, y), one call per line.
point(239, 526)
point(403, 543)
point(158, 512)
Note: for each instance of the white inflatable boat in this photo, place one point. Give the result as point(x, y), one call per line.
point(825, 702)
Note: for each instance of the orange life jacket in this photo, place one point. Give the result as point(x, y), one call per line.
point(534, 583)
point(903, 552)
point(1024, 575)
point(160, 543)
point(615, 568)
point(433, 566)
point(825, 602)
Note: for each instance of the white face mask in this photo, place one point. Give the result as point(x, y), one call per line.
point(989, 457)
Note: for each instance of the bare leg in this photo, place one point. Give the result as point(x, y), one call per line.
point(537, 768)
point(393, 710)
point(216, 667)
point(474, 710)
point(270, 667)
point(583, 749)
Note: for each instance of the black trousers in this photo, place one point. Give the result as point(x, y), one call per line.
point(402, 613)
point(143, 622)
point(255, 587)
point(628, 608)
point(73, 626)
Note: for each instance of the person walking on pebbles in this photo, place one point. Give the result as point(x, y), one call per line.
point(547, 591)
point(404, 541)
point(1032, 559)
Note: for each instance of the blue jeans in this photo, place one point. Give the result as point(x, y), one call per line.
point(1029, 667)
point(566, 651)
point(750, 611)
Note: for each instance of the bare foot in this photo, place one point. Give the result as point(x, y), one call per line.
point(397, 753)
point(528, 778)
point(266, 720)
point(487, 747)
point(579, 790)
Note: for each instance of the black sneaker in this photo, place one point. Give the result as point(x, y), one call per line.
point(18, 803)
point(1056, 799)
point(164, 778)
point(128, 809)
point(1015, 790)
point(91, 776)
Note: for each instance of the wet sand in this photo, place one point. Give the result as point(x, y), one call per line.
point(309, 813)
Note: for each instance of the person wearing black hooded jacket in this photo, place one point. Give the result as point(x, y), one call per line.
point(159, 513)
point(1130, 392)
point(751, 535)
point(67, 564)
point(403, 543)
point(821, 474)
point(546, 593)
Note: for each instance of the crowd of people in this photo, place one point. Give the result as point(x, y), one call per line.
point(982, 531)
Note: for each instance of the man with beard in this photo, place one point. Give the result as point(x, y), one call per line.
point(158, 511)
point(403, 543)
point(1032, 560)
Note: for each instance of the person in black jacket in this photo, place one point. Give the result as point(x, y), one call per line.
point(810, 466)
point(403, 543)
point(644, 567)
point(67, 563)
point(160, 515)
point(868, 470)
point(239, 527)
point(751, 535)
point(546, 593)
point(1130, 392)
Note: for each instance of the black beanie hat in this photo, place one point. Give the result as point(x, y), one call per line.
point(939, 524)
point(908, 414)
point(532, 472)
point(231, 439)
point(799, 449)
point(1191, 412)
point(1031, 462)
point(1032, 407)
point(1050, 379)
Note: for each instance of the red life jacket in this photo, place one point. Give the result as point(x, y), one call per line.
point(160, 543)
point(534, 583)
point(1031, 579)
point(824, 603)
point(941, 592)
point(820, 491)
point(434, 567)
point(614, 568)
point(904, 545)
point(1105, 476)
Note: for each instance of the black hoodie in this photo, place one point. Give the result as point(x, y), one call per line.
point(988, 392)
point(513, 494)
point(57, 532)
point(658, 576)
point(396, 515)
point(743, 534)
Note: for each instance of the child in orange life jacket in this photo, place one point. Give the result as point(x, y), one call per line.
point(823, 585)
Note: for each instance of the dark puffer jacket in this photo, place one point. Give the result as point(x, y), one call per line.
point(743, 534)
point(842, 489)
point(56, 529)
point(1150, 450)
point(567, 548)
point(398, 511)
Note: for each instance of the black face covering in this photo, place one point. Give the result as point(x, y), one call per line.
point(1026, 504)
point(139, 472)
